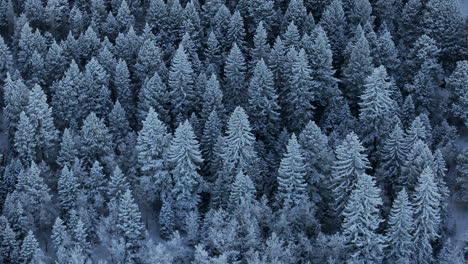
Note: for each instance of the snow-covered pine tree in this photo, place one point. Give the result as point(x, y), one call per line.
point(292, 186)
point(180, 86)
point(242, 190)
point(185, 157)
point(400, 229)
point(261, 48)
point(461, 189)
point(122, 89)
point(333, 22)
point(212, 99)
point(68, 187)
point(458, 85)
point(263, 106)
point(350, 162)
point(30, 251)
point(426, 203)
point(130, 227)
point(24, 142)
point(361, 220)
point(60, 237)
point(152, 144)
point(300, 93)
point(235, 79)
point(95, 140)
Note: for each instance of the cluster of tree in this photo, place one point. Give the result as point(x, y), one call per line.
point(253, 131)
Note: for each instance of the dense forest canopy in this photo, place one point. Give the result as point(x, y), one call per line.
point(238, 131)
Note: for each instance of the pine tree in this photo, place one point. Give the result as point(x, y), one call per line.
point(291, 176)
point(68, 149)
point(167, 219)
point(156, 18)
point(129, 226)
point(350, 162)
point(393, 157)
point(291, 36)
point(95, 95)
point(333, 23)
point(461, 189)
point(65, 96)
point(54, 63)
point(9, 245)
point(6, 60)
point(16, 95)
point(119, 126)
point(125, 19)
point(123, 91)
point(318, 157)
point(417, 160)
point(184, 153)
point(60, 237)
point(149, 60)
point(212, 53)
point(358, 12)
point(296, 13)
point(57, 12)
point(116, 188)
point(94, 184)
point(376, 107)
point(410, 22)
point(67, 189)
point(458, 84)
point(300, 93)
point(25, 143)
point(234, 72)
point(426, 204)
point(30, 250)
point(152, 144)
point(440, 170)
point(95, 140)
point(361, 220)
point(212, 98)
point(261, 48)
point(209, 145)
point(88, 44)
point(400, 228)
point(242, 190)
point(263, 107)
point(236, 32)
point(40, 116)
point(154, 94)
point(387, 52)
point(443, 22)
point(181, 85)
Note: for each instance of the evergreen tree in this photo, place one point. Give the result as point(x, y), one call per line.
point(67, 189)
point(300, 93)
point(181, 83)
point(426, 204)
point(318, 157)
point(119, 127)
point(60, 237)
point(261, 48)
point(16, 95)
point(149, 60)
point(68, 149)
point(56, 12)
point(242, 190)
point(376, 107)
point(6, 62)
point(234, 72)
point(443, 22)
point(30, 251)
point(184, 153)
point(400, 227)
point(410, 23)
point(291, 175)
point(458, 84)
point(95, 95)
point(88, 44)
point(167, 219)
point(350, 162)
point(263, 106)
point(152, 144)
point(212, 53)
point(9, 246)
point(296, 13)
point(209, 145)
point(95, 140)
point(156, 17)
point(236, 32)
point(393, 156)
point(291, 36)
point(418, 159)
point(358, 12)
point(123, 91)
point(387, 53)
point(40, 116)
point(461, 189)
point(333, 23)
point(212, 98)
point(154, 94)
point(54, 63)
point(124, 18)
point(129, 226)
point(361, 220)
point(25, 143)
point(357, 67)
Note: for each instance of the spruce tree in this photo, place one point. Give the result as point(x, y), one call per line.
point(95, 94)
point(54, 63)
point(461, 189)
point(68, 149)
point(291, 36)
point(60, 237)
point(122, 88)
point(154, 94)
point(212, 53)
point(234, 72)
point(67, 189)
point(333, 22)
point(263, 106)
point(361, 220)
point(25, 144)
point(357, 67)
point(149, 61)
point(95, 140)
point(458, 84)
point(242, 190)
point(167, 220)
point(261, 48)
point(300, 93)
point(212, 98)
point(417, 160)
point(124, 18)
point(6, 62)
point(410, 22)
point(393, 155)
point(296, 12)
point(16, 95)
point(30, 251)
point(291, 176)
point(180, 86)
point(209, 145)
point(152, 144)
point(185, 157)
point(129, 226)
point(236, 32)
point(119, 126)
point(426, 202)
point(350, 162)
